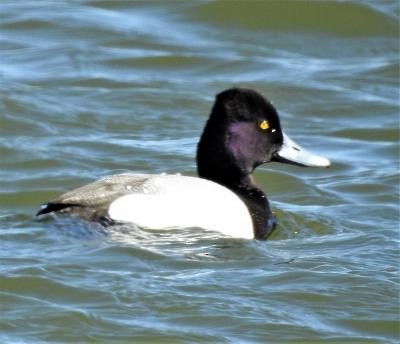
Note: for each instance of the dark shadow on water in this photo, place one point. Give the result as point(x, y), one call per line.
point(187, 244)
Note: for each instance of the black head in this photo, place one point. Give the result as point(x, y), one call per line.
point(242, 132)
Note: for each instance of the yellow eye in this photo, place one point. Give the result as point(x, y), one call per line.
point(264, 125)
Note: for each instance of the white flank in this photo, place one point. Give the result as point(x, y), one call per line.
point(173, 201)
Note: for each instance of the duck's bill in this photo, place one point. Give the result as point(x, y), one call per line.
point(292, 153)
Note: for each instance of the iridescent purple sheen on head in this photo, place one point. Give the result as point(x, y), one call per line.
point(246, 144)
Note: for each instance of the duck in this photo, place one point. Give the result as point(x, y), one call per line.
point(243, 131)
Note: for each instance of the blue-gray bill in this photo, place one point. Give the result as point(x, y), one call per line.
point(292, 153)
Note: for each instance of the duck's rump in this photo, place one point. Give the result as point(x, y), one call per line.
point(92, 200)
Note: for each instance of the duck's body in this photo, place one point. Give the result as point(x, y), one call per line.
point(243, 131)
point(160, 201)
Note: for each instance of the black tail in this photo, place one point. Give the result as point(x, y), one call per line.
point(51, 207)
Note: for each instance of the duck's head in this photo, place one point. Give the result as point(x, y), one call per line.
point(242, 132)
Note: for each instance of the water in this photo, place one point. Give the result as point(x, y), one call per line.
point(90, 88)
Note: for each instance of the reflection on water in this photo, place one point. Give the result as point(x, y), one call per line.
point(90, 88)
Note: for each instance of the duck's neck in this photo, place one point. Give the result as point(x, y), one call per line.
point(216, 164)
point(258, 206)
point(254, 198)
